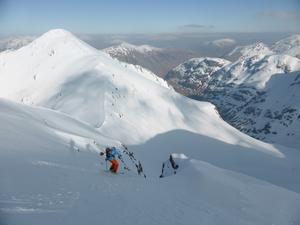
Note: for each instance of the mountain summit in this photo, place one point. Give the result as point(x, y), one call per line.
point(60, 72)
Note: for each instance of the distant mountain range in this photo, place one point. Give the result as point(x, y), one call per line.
point(13, 43)
point(192, 77)
point(287, 46)
point(158, 60)
point(258, 92)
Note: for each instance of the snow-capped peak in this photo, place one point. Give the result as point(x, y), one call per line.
point(126, 48)
point(54, 33)
point(248, 51)
point(257, 70)
point(141, 48)
point(60, 39)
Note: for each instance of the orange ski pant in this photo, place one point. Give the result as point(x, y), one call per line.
point(114, 165)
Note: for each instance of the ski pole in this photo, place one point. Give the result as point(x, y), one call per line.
point(101, 154)
point(125, 165)
point(134, 161)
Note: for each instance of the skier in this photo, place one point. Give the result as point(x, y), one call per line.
point(111, 154)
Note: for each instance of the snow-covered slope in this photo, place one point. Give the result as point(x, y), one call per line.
point(126, 49)
point(272, 115)
point(49, 163)
point(288, 46)
point(60, 72)
point(157, 60)
point(191, 77)
point(248, 51)
point(256, 71)
point(51, 174)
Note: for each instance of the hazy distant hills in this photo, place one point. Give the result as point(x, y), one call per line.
point(13, 43)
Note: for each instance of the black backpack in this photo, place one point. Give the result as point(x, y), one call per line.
point(108, 152)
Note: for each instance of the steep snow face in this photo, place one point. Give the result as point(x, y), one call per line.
point(191, 77)
point(288, 46)
point(249, 51)
point(271, 114)
point(157, 60)
point(60, 72)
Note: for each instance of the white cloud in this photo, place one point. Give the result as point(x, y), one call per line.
point(221, 43)
point(195, 27)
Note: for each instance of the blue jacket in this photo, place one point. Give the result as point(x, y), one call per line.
point(114, 153)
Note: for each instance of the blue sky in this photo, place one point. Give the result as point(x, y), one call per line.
point(149, 16)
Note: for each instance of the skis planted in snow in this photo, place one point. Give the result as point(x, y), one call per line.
point(132, 158)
